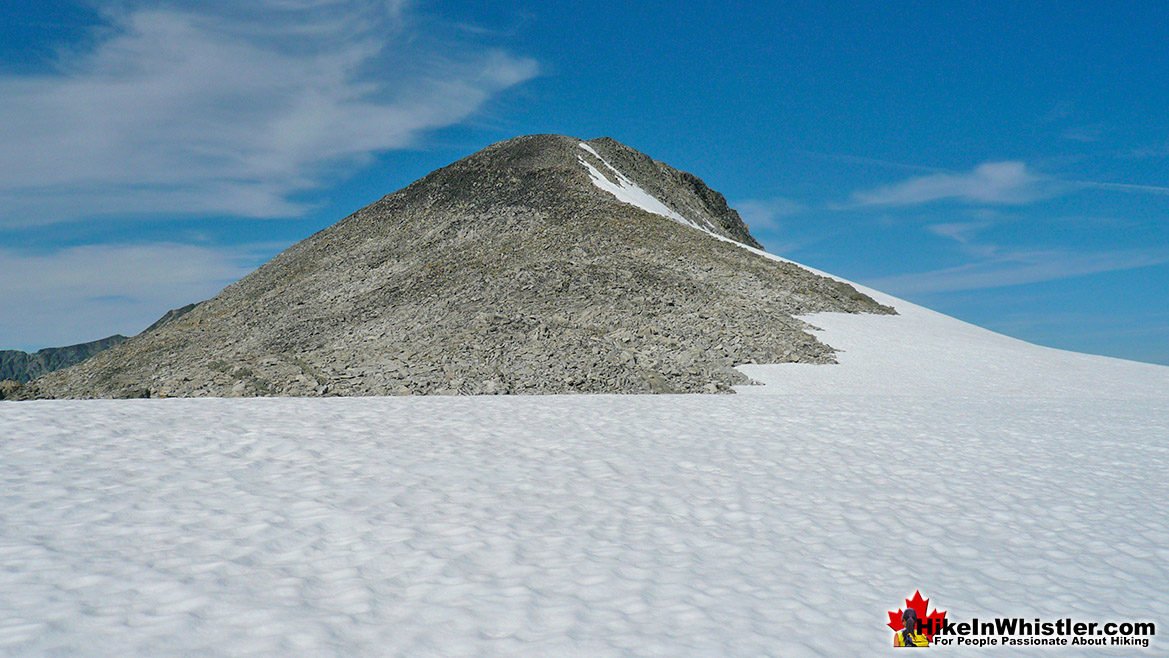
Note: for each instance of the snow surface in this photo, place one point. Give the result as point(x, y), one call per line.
point(996, 477)
point(568, 525)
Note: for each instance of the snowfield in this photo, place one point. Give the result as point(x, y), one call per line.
point(921, 352)
point(996, 477)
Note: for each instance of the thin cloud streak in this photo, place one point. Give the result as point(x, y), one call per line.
point(962, 232)
point(1007, 182)
point(1018, 268)
point(861, 159)
point(228, 111)
point(1122, 187)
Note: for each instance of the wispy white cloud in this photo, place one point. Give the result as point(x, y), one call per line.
point(88, 292)
point(231, 108)
point(765, 214)
point(998, 266)
point(1151, 150)
point(1011, 268)
point(865, 160)
point(1084, 133)
point(1119, 187)
point(958, 231)
point(990, 183)
point(765, 219)
point(1007, 182)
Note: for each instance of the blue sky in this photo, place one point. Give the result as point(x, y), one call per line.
point(1004, 163)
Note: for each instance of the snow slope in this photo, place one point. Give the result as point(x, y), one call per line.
point(996, 477)
point(923, 352)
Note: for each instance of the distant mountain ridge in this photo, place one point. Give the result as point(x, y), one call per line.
point(23, 366)
point(542, 264)
point(19, 366)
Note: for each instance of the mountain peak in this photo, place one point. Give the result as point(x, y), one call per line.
point(541, 264)
point(550, 170)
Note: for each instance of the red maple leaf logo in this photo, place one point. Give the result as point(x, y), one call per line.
point(930, 623)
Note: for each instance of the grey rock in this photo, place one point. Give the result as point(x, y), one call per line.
point(508, 271)
point(170, 316)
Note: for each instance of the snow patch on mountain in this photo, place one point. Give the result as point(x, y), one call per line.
point(629, 192)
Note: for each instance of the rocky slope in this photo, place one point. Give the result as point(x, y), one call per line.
point(169, 316)
point(532, 266)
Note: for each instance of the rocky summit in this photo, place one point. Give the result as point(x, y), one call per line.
point(542, 264)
